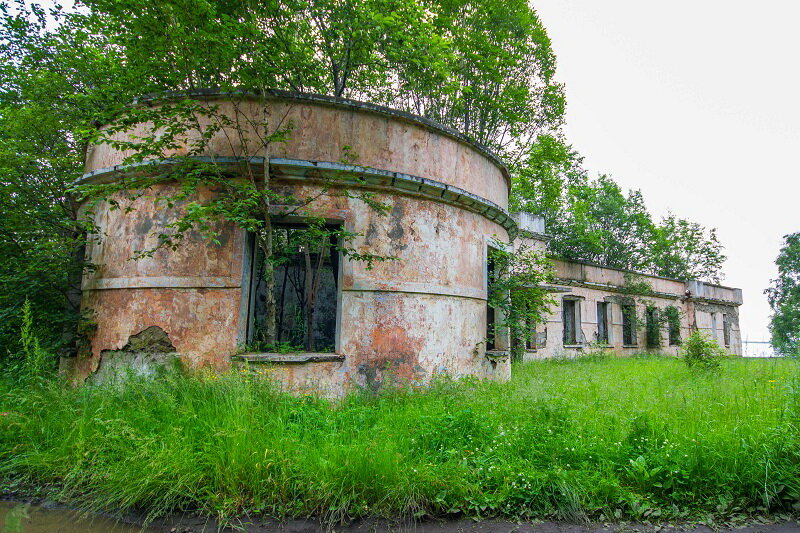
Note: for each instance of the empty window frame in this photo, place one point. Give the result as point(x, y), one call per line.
point(530, 332)
point(602, 323)
point(629, 325)
point(305, 282)
point(571, 320)
point(537, 339)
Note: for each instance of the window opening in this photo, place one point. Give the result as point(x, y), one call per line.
point(726, 330)
point(652, 327)
point(531, 341)
point(570, 322)
point(629, 325)
point(490, 313)
point(674, 323)
point(602, 322)
point(305, 266)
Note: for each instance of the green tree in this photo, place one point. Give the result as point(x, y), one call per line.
point(56, 76)
point(784, 298)
point(602, 225)
point(686, 250)
point(540, 179)
point(500, 89)
point(593, 220)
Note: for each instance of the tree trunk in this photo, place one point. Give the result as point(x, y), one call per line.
point(269, 271)
point(313, 276)
point(279, 328)
point(309, 303)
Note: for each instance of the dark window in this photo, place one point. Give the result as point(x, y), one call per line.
point(305, 270)
point(570, 323)
point(726, 330)
point(538, 339)
point(490, 314)
point(602, 322)
point(653, 327)
point(530, 337)
point(628, 325)
point(674, 323)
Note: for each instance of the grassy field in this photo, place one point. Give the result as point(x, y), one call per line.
point(642, 438)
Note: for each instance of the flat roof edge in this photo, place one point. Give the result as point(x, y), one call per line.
point(589, 263)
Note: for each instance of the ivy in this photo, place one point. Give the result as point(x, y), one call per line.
point(517, 288)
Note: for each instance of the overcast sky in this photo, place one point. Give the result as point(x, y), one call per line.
point(696, 103)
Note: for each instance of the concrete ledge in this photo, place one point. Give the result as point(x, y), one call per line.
point(308, 170)
point(497, 355)
point(288, 359)
point(415, 288)
point(162, 282)
point(405, 183)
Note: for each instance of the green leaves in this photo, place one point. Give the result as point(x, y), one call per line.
point(784, 298)
point(517, 289)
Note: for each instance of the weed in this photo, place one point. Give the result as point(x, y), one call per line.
point(602, 438)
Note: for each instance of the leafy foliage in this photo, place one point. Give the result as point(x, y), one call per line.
point(653, 322)
point(517, 289)
point(686, 250)
point(499, 89)
point(701, 351)
point(784, 298)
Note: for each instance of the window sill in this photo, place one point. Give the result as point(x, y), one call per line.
point(573, 346)
point(288, 359)
point(630, 346)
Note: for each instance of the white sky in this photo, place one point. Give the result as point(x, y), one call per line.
point(696, 103)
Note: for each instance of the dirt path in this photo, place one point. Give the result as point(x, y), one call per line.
point(195, 525)
point(21, 517)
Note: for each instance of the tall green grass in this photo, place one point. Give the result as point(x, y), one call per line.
point(600, 437)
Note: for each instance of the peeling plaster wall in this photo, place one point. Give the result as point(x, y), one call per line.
point(404, 320)
point(319, 131)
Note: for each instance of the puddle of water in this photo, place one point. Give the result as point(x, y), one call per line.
point(26, 518)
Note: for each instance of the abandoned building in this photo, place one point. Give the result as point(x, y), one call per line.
point(597, 308)
point(422, 313)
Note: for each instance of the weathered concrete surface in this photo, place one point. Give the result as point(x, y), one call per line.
point(145, 354)
point(200, 322)
point(319, 131)
point(196, 263)
point(405, 320)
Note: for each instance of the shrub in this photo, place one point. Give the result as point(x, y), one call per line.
point(701, 351)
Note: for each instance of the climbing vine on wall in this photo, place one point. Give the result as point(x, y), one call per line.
point(517, 290)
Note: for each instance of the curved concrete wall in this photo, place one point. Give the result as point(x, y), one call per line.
point(408, 319)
